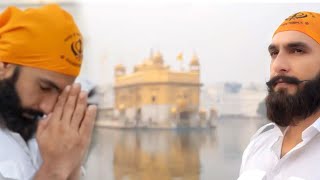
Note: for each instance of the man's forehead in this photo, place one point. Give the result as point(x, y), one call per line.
point(287, 37)
point(60, 80)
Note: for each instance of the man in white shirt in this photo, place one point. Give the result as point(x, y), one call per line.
point(45, 122)
point(289, 147)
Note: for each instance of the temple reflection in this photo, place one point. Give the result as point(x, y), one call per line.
point(161, 155)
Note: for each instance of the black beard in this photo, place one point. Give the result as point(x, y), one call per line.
point(13, 115)
point(285, 109)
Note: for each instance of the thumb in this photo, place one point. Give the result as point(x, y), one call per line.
point(43, 123)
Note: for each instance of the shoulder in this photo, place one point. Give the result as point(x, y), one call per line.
point(11, 148)
point(261, 135)
point(263, 131)
point(257, 140)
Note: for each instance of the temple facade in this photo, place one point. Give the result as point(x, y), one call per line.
point(153, 94)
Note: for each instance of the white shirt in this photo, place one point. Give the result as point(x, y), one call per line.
point(18, 160)
point(261, 159)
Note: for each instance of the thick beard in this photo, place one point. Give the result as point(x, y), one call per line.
point(285, 109)
point(11, 111)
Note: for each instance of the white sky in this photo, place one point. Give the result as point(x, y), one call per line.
point(230, 39)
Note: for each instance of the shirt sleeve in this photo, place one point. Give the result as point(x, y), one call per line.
point(245, 157)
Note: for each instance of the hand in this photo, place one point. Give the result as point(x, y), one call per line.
point(65, 135)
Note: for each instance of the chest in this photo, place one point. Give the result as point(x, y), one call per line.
point(300, 161)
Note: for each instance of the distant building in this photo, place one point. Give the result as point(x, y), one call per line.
point(236, 100)
point(153, 93)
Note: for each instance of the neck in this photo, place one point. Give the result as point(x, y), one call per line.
point(293, 135)
point(304, 123)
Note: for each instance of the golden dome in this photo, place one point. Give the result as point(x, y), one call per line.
point(157, 58)
point(194, 61)
point(119, 67)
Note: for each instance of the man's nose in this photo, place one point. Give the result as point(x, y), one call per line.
point(47, 104)
point(280, 65)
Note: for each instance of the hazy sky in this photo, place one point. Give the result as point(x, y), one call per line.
point(230, 39)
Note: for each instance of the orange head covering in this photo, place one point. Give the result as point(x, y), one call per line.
point(305, 22)
point(45, 38)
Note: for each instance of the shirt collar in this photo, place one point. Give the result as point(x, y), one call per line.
point(281, 131)
point(316, 124)
point(312, 130)
point(308, 133)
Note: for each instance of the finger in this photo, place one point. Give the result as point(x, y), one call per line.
point(58, 108)
point(80, 110)
point(87, 124)
point(71, 103)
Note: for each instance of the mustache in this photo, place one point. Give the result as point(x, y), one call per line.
point(31, 114)
point(285, 79)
